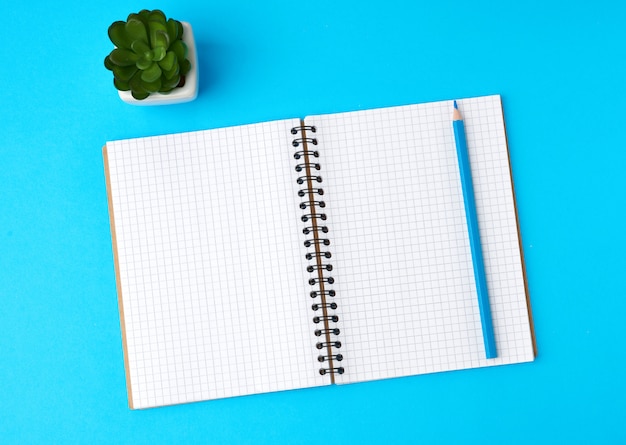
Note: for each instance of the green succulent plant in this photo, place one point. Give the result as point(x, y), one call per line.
point(150, 55)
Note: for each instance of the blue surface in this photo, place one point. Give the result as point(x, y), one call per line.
point(561, 72)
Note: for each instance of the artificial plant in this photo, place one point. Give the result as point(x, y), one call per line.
point(150, 55)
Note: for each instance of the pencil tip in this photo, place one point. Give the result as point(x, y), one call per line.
point(455, 105)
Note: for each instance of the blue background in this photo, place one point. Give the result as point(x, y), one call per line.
point(560, 67)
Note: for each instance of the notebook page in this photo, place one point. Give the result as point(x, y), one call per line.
point(402, 262)
point(211, 284)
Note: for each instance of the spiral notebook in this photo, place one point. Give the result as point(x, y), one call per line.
point(301, 253)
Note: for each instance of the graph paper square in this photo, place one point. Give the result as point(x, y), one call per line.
point(403, 266)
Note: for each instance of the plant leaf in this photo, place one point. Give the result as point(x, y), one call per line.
point(185, 67)
point(152, 87)
point(140, 47)
point(123, 57)
point(124, 73)
point(142, 16)
point(175, 71)
point(158, 53)
point(108, 64)
point(152, 73)
point(158, 35)
point(136, 87)
point(157, 16)
point(171, 83)
point(174, 29)
point(136, 30)
point(180, 49)
point(144, 63)
point(118, 35)
point(121, 85)
point(167, 63)
point(139, 95)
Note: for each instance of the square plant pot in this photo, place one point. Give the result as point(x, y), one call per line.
point(187, 92)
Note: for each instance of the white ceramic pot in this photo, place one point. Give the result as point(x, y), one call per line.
point(186, 93)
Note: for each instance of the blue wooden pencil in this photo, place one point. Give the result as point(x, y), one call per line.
point(474, 235)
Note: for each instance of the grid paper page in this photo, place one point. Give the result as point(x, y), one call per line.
point(211, 284)
point(401, 256)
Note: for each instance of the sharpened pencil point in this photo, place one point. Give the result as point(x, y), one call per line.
point(455, 105)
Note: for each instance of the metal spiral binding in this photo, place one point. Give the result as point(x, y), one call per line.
point(319, 267)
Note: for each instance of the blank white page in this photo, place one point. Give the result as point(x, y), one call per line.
point(401, 257)
point(213, 286)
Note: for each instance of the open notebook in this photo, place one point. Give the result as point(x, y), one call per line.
point(301, 253)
